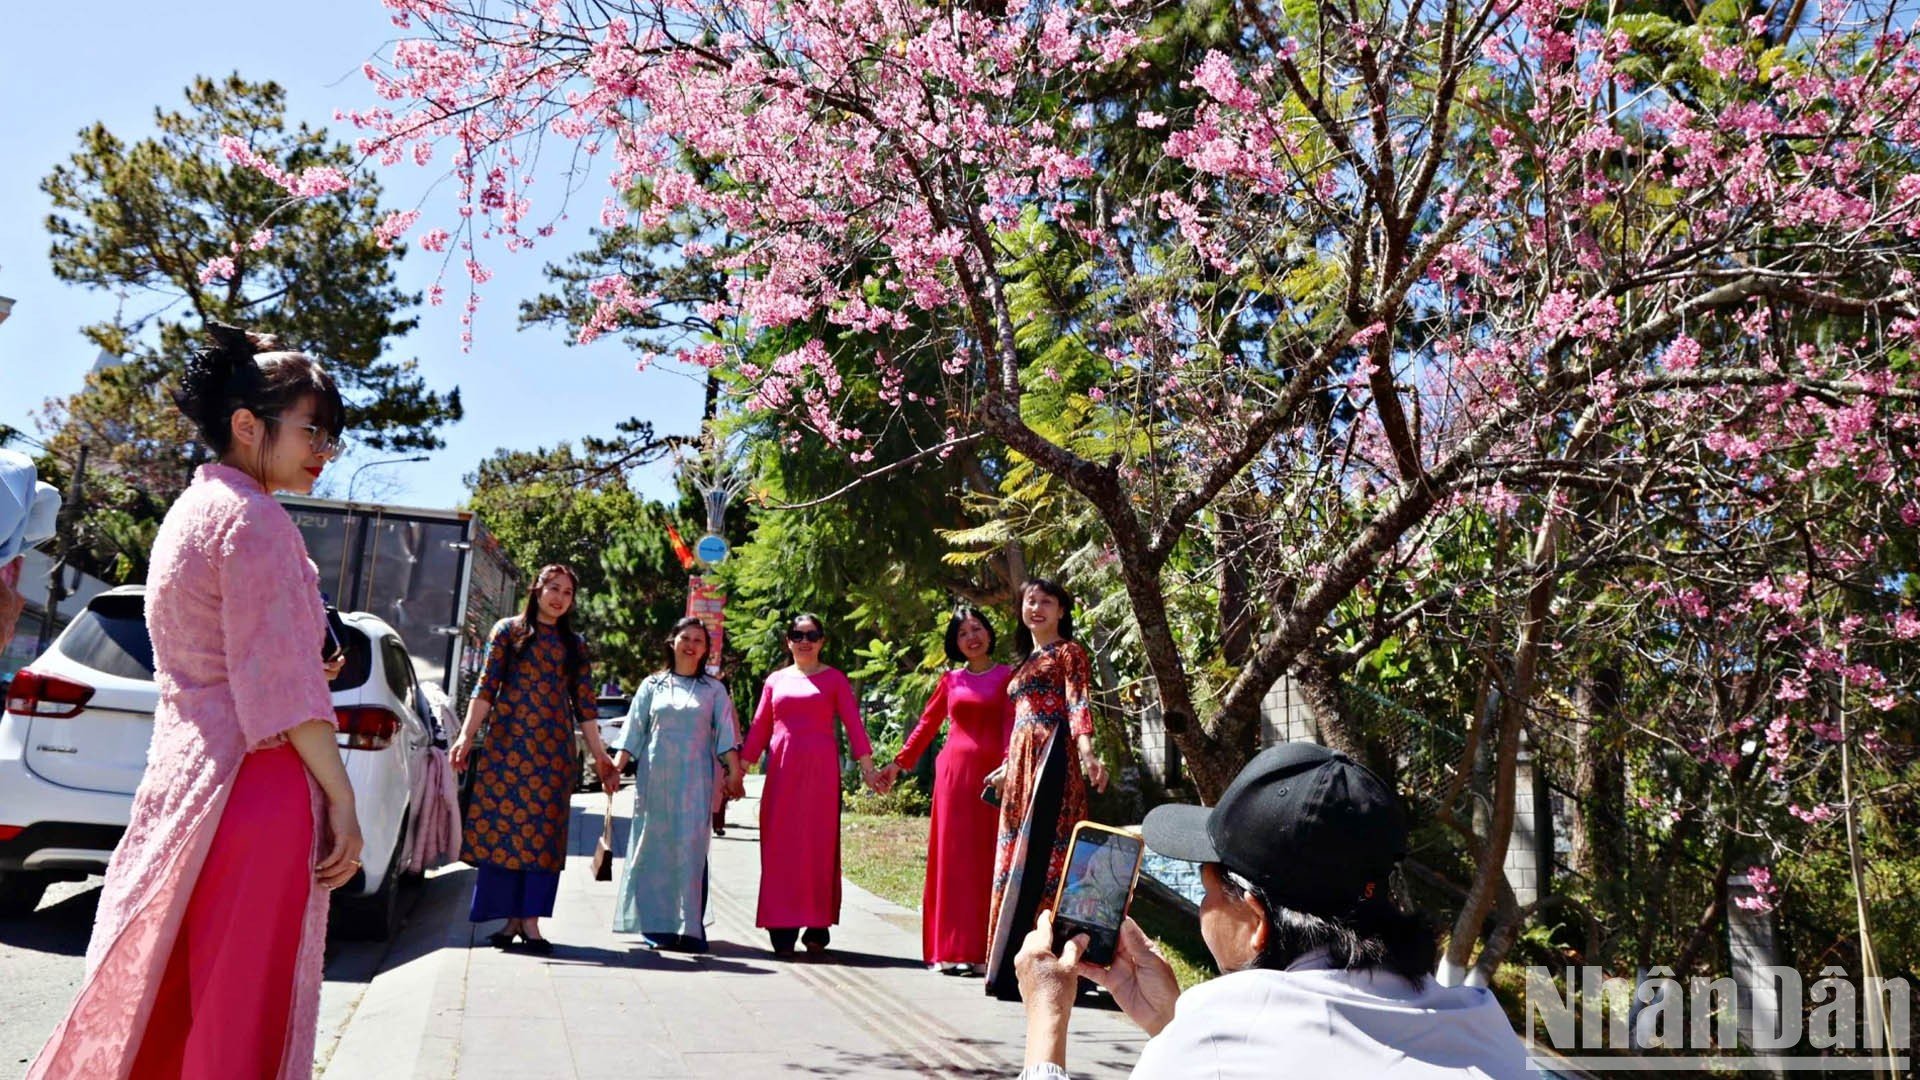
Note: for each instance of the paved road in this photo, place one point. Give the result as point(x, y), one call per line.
point(603, 1007)
point(42, 956)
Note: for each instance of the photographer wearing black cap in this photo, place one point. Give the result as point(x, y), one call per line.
point(1322, 973)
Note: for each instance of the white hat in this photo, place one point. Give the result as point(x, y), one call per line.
point(29, 508)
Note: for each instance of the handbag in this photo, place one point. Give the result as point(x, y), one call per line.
point(602, 864)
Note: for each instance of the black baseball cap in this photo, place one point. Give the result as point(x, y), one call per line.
point(1315, 830)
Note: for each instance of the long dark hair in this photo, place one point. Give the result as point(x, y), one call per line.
point(238, 370)
point(688, 623)
point(1023, 637)
point(1375, 934)
point(523, 630)
point(960, 616)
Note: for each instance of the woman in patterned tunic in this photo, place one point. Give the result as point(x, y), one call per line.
point(537, 687)
point(681, 723)
point(1043, 785)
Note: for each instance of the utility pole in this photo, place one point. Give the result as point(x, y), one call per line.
point(56, 580)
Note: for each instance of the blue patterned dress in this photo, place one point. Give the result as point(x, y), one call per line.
point(677, 728)
point(516, 830)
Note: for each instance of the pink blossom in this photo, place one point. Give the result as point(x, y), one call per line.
point(219, 268)
point(1766, 892)
point(394, 226)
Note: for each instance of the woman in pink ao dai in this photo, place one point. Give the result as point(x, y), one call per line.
point(794, 726)
point(205, 959)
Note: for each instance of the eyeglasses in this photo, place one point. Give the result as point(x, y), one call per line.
point(321, 440)
point(805, 635)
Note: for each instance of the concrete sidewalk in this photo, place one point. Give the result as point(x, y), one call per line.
point(602, 1005)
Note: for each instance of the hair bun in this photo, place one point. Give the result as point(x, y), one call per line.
point(217, 374)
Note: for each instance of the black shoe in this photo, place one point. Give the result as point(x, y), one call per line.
point(817, 939)
point(782, 940)
point(538, 945)
point(502, 939)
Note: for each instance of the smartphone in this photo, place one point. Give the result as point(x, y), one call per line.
point(990, 795)
point(1103, 864)
point(331, 649)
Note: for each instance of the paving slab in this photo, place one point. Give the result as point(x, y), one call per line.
point(602, 1005)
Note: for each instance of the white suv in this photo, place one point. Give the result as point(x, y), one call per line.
point(73, 744)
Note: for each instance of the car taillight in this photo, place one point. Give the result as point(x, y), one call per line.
point(34, 694)
point(366, 727)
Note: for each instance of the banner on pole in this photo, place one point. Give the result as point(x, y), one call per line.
point(706, 603)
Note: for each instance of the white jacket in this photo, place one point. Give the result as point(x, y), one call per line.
point(1314, 1021)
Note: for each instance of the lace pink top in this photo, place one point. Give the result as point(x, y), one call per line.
point(233, 605)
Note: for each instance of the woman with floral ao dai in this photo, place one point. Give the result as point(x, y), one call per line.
point(535, 690)
point(1050, 764)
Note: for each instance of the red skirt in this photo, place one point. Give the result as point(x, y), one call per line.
point(226, 1000)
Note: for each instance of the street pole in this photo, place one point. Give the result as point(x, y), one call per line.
point(355, 478)
point(357, 530)
point(56, 580)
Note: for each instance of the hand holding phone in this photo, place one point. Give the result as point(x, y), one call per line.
point(1103, 865)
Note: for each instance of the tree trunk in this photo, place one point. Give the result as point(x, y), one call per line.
point(1341, 727)
point(1489, 874)
point(1599, 847)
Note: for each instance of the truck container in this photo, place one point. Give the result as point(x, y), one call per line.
point(438, 577)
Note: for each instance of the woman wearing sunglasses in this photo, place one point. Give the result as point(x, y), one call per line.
point(800, 806)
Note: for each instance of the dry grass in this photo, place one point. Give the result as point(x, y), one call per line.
point(887, 856)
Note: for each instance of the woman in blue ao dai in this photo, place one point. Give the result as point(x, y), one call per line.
point(680, 723)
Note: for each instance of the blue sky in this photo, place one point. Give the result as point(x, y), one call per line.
point(61, 71)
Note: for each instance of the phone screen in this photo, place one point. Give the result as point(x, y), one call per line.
point(1094, 891)
point(332, 648)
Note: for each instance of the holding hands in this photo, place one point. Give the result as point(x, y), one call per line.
point(998, 778)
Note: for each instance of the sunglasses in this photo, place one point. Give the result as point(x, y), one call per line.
point(805, 635)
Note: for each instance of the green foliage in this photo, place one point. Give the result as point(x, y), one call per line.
point(545, 507)
point(141, 220)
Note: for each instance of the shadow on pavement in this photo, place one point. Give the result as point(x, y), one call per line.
point(62, 927)
point(843, 958)
point(888, 1064)
point(639, 956)
point(584, 829)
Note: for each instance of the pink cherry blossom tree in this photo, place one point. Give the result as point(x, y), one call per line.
point(1394, 267)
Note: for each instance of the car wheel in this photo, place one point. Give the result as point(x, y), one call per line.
point(375, 917)
point(21, 890)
